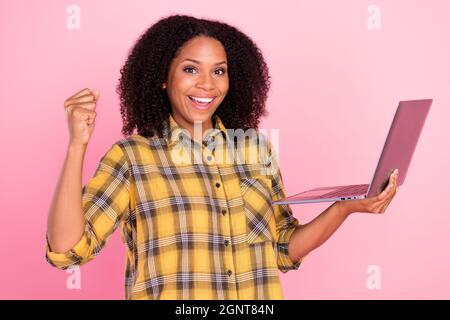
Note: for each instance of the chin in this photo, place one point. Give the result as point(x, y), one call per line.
point(202, 118)
point(200, 115)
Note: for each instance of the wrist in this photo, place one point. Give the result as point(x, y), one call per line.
point(76, 144)
point(345, 208)
point(77, 148)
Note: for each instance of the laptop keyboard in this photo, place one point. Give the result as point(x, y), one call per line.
point(347, 191)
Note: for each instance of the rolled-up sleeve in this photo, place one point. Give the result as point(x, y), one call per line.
point(286, 225)
point(105, 200)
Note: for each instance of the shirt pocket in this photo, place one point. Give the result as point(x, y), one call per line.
point(259, 213)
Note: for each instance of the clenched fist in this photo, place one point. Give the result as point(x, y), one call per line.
point(80, 110)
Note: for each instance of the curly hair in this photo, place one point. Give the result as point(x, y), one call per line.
point(145, 105)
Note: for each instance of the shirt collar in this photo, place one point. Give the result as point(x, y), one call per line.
point(172, 130)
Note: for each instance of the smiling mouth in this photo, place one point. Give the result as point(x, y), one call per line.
point(201, 105)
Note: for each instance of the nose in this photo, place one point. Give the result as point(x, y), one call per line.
point(205, 81)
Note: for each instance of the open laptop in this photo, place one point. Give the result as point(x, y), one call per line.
point(397, 153)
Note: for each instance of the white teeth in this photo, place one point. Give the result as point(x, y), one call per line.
point(204, 100)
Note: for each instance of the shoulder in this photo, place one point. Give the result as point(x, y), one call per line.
point(131, 144)
point(134, 140)
point(137, 149)
point(119, 151)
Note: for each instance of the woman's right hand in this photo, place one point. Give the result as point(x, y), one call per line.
point(80, 110)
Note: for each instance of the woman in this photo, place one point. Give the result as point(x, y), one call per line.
point(193, 229)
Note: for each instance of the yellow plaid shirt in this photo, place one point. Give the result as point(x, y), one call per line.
point(193, 229)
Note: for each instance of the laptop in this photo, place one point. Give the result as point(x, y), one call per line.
point(397, 153)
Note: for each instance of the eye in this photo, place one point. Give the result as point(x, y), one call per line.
point(223, 71)
point(188, 68)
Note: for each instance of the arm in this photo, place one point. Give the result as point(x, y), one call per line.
point(65, 223)
point(307, 237)
point(295, 241)
point(105, 201)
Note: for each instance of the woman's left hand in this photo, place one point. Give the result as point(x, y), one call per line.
point(376, 204)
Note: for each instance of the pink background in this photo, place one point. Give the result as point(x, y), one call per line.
point(335, 87)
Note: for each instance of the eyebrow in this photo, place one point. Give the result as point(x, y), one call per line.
point(198, 62)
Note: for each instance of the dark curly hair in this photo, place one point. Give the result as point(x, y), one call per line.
point(145, 105)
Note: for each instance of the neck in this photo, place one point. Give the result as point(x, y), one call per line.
point(197, 129)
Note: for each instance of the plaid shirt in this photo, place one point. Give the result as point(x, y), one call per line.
point(193, 230)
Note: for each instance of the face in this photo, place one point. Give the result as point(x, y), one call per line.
point(197, 82)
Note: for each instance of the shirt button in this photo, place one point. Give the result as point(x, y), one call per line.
point(217, 184)
point(209, 158)
point(224, 212)
point(226, 242)
point(208, 140)
point(230, 273)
